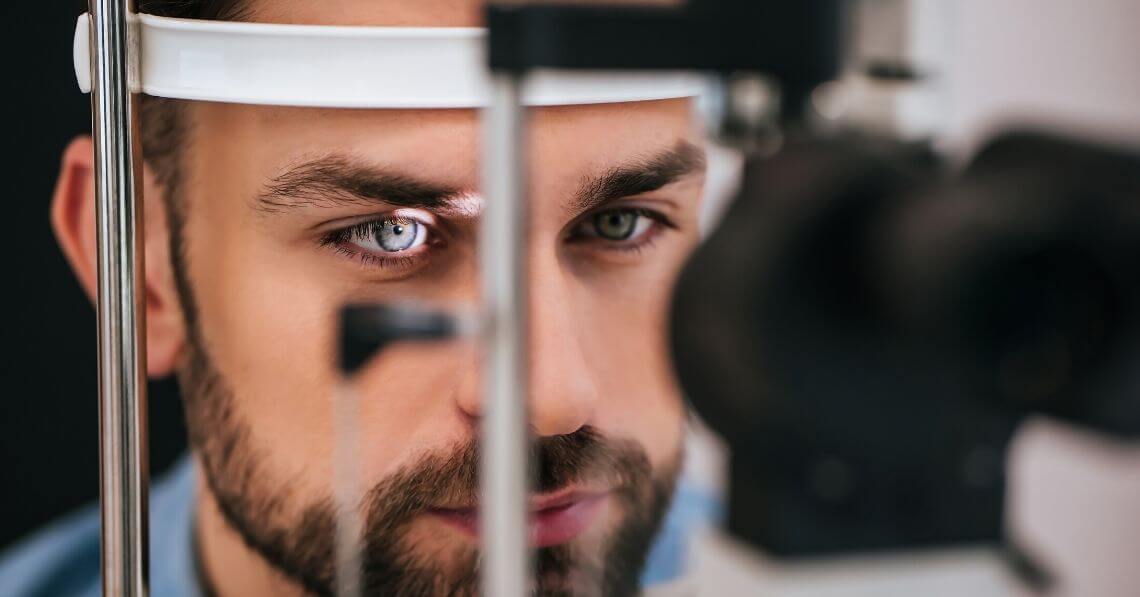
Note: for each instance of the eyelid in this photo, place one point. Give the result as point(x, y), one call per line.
point(422, 216)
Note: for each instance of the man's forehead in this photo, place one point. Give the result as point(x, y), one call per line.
point(678, 111)
point(262, 143)
point(616, 125)
point(445, 141)
point(388, 13)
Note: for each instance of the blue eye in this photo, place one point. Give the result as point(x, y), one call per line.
point(389, 236)
point(397, 236)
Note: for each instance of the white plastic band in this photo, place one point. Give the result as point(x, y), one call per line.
point(349, 67)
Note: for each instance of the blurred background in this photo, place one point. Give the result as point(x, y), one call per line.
point(1070, 66)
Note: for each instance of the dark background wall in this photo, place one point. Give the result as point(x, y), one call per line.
point(49, 451)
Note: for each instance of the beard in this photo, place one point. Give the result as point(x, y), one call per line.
point(302, 546)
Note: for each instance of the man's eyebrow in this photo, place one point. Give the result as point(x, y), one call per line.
point(332, 181)
point(644, 176)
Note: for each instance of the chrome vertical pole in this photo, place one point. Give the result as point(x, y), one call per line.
point(504, 478)
point(123, 466)
point(347, 488)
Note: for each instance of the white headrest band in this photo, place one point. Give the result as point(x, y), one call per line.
point(348, 67)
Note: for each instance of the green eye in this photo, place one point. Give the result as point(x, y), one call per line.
point(616, 224)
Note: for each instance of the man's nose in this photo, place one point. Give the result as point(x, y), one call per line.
point(563, 388)
point(563, 391)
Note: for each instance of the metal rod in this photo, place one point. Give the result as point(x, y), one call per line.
point(347, 488)
point(123, 467)
point(505, 481)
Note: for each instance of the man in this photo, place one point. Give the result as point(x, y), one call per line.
point(260, 222)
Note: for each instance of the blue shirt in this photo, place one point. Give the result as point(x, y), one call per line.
point(63, 559)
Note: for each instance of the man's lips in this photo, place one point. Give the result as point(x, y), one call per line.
point(554, 518)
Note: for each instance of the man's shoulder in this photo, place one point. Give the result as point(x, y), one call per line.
point(62, 559)
point(697, 505)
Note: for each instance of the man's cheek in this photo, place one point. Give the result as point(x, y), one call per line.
point(628, 357)
point(273, 344)
point(407, 407)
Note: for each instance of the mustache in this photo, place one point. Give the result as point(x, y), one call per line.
point(451, 478)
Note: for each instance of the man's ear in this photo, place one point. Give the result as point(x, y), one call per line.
point(73, 220)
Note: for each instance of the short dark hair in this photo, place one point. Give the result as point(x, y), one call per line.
point(214, 10)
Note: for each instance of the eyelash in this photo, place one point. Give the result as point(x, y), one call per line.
point(340, 240)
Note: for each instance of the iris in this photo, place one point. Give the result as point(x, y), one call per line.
point(616, 224)
point(397, 235)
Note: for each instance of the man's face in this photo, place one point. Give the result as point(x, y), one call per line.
point(289, 214)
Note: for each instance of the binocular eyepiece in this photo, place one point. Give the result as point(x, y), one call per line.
point(859, 298)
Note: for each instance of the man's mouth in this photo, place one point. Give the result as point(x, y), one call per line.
point(555, 518)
